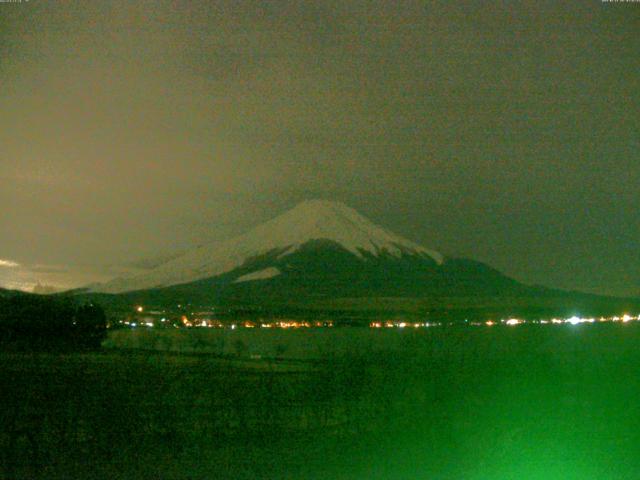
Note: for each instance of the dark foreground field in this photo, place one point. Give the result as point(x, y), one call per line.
point(529, 402)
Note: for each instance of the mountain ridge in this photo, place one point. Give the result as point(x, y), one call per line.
point(324, 258)
point(308, 221)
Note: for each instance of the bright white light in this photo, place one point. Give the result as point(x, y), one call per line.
point(626, 318)
point(512, 321)
point(8, 263)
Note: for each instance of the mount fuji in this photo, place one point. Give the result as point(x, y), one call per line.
point(324, 256)
point(314, 221)
point(317, 250)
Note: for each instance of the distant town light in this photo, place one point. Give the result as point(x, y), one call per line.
point(197, 321)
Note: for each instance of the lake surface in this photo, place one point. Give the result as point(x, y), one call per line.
point(495, 403)
point(318, 343)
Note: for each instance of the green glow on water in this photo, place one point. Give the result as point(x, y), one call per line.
point(560, 404)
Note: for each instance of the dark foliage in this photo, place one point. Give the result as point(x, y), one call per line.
point(34, 322)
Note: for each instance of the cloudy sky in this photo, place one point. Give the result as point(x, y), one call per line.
point(508, 132)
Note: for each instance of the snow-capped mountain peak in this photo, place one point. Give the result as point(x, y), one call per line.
point(308, 221)
point(335, 221)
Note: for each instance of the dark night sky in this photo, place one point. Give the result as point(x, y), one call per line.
point(508, 132)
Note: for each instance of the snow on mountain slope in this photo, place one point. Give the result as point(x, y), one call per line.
point(268, 272)
point(310, 220)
